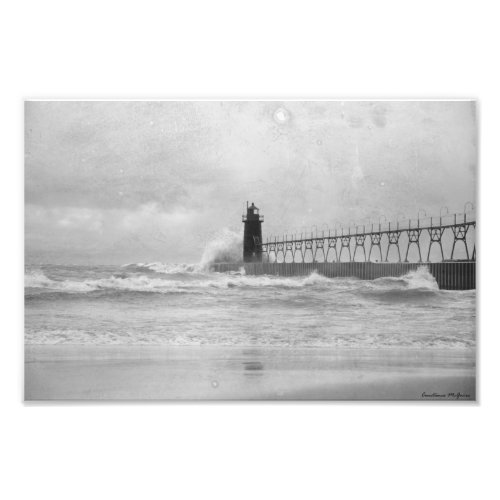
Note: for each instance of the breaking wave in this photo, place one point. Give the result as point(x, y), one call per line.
point(160, 267)
point(144, 283)
point(159, 303)
point(416, 285)
point(37, 279)
point(173, 279)
point(226, 246)
point(420, 279)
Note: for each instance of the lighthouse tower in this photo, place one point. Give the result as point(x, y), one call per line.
point(252, 237)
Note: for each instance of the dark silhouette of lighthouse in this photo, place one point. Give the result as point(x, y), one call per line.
point(252, 238)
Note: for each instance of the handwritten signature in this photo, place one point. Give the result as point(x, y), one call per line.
point(449, 395)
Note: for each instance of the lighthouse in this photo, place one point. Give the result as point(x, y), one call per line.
point(252, 238)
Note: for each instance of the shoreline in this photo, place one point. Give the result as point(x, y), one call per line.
point(76, 372)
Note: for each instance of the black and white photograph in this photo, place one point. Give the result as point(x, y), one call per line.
point(250, 250)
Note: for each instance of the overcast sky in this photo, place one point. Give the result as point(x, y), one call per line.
point(119, 182)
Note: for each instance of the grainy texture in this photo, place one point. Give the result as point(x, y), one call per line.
point(187, 373)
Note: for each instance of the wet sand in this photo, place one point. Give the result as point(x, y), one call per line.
point(84, 372)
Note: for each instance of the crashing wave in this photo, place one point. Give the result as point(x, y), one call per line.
point(420, 279)
point(419, 282)
point(148, 283)
point(37, 279)
point(226, 246)
point(160, 267)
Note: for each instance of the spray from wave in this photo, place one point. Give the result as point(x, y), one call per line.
point(420, 279)
point(163, 268)
point(418, 285)
point(226, 246)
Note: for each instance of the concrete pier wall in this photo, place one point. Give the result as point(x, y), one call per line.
point(458, 275)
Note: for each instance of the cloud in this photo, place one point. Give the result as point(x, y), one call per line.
point(113, 181)
point(104, 235)
point(81, 219)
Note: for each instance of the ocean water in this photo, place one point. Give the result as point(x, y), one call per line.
point(181, 304)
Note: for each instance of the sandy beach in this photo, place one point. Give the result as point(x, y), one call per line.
point(78, 372)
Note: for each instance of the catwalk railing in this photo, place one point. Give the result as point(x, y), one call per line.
point(444, 238)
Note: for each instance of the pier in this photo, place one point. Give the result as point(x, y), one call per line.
point(444, 244)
